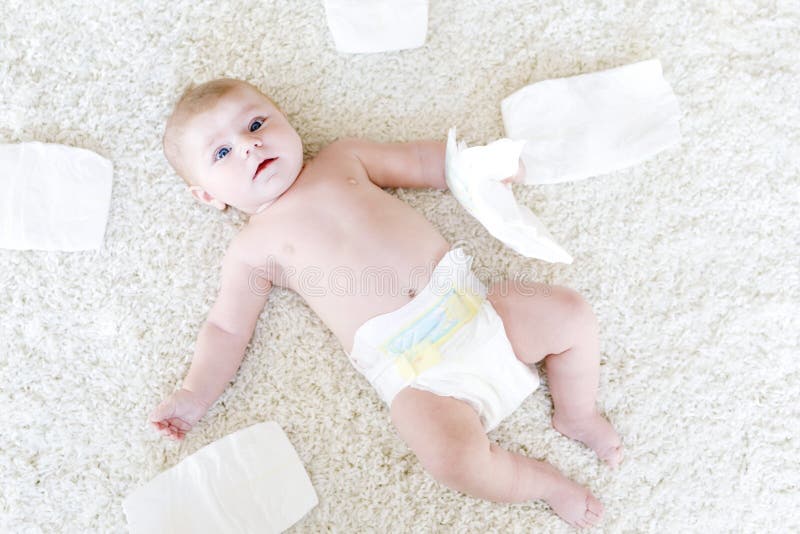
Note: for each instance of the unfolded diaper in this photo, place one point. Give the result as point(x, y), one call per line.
point(53, 197)
point(448, 340)
point(474, 176)
point(594, 123)
point(251, 481)
point(562, 130)
point(363, 26)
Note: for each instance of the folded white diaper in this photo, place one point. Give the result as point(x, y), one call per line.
point(594, 123)
point(364, 26)
point(53, 197)
point(474, 176)
point(251, 481)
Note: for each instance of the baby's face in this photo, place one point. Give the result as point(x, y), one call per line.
point(242, 151)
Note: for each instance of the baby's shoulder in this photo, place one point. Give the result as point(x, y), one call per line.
point(340, 152)
point(250, 246)
point(339, 148)
point(331, 163)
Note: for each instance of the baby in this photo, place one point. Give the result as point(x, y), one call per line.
point(449, 356)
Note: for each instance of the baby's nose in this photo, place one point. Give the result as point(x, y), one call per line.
point(247, 144)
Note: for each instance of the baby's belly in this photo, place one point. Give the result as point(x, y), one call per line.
point(360, 252)
point(345, 297)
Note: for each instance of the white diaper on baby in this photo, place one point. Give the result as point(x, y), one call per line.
point(474, 177)
point(448, 340)
point(364, 26)
point(251, 481)
point(594, 123)
point(53, 197)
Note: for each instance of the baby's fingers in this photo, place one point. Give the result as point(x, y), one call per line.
point(163, 411)
point(177, 428)
point(179, 424)
point(171, 433)
point(174, 433)
point(161, 427)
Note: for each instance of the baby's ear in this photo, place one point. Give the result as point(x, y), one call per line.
point(201, 195)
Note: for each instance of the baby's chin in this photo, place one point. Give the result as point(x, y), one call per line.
point(276, 187)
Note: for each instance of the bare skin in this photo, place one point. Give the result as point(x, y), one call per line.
point(354, 251)
point(355, 228)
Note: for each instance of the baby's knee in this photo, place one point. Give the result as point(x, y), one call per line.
point(453, 466)
point(578, 311)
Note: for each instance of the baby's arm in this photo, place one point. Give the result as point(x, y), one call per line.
point(220, 347)
point(413, 164)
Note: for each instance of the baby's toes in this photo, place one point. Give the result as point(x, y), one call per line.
point(594, 510)
point(614, 456)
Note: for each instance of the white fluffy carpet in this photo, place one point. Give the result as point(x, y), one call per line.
point(690, 260)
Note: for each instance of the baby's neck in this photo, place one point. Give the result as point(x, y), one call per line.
point(264, 206)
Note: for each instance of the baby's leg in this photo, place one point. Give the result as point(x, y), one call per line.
point(447, 437)
point(556, 323)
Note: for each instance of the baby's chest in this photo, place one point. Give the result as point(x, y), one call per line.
point(343, 204)
point(323, 223)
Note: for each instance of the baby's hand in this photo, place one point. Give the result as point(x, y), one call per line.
point(176, 415)
point(517, 178)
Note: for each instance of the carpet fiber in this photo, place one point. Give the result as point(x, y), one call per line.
point(690, 260)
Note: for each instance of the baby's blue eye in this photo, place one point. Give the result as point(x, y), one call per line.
point(221, 153)
point(255, 125)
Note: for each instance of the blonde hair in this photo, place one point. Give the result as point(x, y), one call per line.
point(194, 100)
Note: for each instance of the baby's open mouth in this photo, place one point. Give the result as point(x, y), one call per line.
point(263, 165)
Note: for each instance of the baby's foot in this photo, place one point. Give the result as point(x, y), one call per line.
point(596, 433)
point(573, 503)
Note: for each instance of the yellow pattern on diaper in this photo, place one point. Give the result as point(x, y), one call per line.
point(416, 347)
point(422, 356)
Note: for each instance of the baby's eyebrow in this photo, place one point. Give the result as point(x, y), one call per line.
point(250, 109)
point(211, 141)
